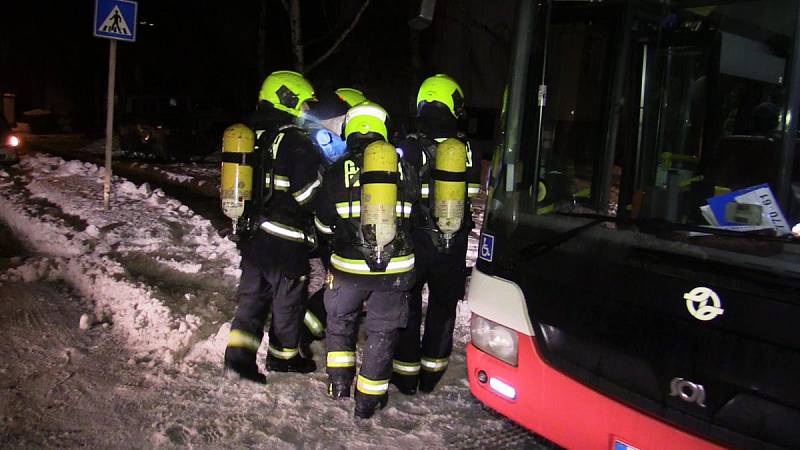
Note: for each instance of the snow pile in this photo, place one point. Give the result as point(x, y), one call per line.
point(201, 176)
point(157, 269)
point(179, 178)
point(141, 262)
point(204, 177)
point(181, 266)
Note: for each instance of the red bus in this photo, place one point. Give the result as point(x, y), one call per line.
point(638, 283)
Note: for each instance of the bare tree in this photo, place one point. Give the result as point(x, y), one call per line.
point(261, 47)
point(297, 34)
point(341, 38)
point(292, 8)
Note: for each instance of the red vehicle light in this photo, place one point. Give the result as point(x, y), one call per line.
point(13, 141)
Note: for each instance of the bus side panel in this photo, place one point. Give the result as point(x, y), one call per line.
point(566, 412)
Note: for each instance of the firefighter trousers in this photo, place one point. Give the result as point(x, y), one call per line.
point(387, 312)
point(414, 361)
point(259, 289)
point(315, 316)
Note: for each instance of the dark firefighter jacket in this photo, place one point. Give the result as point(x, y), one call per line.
point(287, 170)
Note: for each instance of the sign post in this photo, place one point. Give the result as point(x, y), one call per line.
point(114, 20)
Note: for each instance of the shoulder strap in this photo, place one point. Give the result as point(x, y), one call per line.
point(265, 165)
point(428, 151)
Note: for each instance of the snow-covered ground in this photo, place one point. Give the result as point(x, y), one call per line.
point(201, 176)
point(148, 292)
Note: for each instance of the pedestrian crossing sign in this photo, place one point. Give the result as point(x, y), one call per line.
point(115, 19)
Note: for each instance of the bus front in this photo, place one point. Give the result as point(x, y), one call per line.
point(638, 280)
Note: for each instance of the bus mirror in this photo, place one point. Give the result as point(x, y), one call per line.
point(743, 213)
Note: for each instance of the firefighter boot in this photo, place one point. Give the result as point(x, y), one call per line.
point(367, 404)
point(338, 390)
point(428, 380)
point(306, 338)
point(296, 363)
point(241, 363)
point(406, 384)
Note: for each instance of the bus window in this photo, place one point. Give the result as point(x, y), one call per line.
point(714, 104)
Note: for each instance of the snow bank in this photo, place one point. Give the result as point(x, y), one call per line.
point(158, 271)
point(141, 263)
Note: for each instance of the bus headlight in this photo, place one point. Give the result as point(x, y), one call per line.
point(494, 339)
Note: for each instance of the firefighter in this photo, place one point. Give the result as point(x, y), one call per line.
point(365, 206)
point(324, 123)
point(351, 96)
point(277, 232)
point(449, 173)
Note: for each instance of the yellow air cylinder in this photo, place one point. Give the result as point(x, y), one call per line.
point(236, 188)
point(449, 186)
point(379, 195)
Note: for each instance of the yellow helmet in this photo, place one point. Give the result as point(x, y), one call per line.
point(364, 118)
point(443, 89)
point(351, 96)
point(286, 91)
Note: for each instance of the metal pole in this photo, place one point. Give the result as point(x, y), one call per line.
point(516, 92)
point(600, 193)
point(541, 103)
point(112, 69)
point(789, 143)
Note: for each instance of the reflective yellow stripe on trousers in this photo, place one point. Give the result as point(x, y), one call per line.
point(341, 359)
point(238, 338)
point(314, 324)
point(433, 364)
point(284, 353)
point(371, 387)
point(405, 368)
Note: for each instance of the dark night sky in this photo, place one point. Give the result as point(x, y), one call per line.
point(208, 51)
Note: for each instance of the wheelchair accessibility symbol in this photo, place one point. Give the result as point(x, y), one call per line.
point(486, 249)
point(697, 302)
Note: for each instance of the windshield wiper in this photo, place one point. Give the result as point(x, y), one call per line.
point(537, 248)
point(664, 225)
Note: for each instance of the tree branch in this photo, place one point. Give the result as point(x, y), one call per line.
point(297, 35)
point(341, 38)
